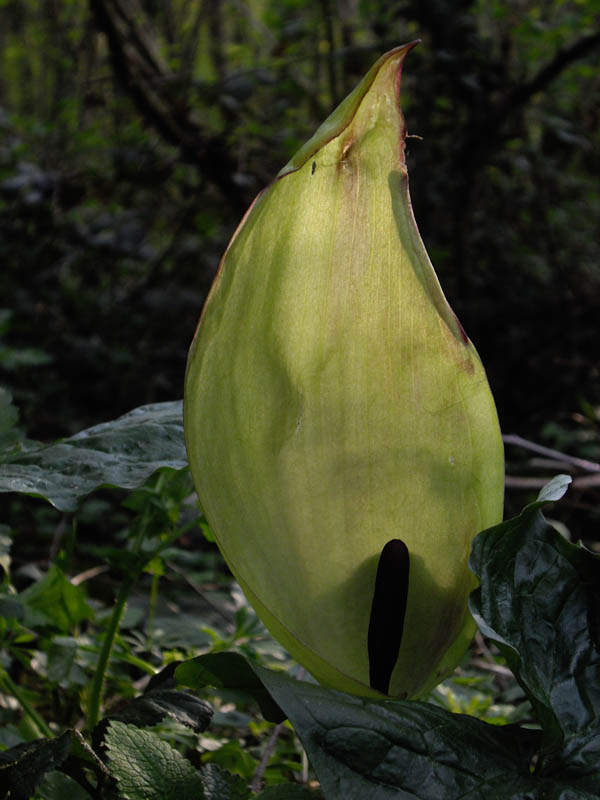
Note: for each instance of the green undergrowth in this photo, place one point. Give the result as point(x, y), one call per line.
point(131, 666)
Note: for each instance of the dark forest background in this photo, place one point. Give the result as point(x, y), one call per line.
point(134, 134)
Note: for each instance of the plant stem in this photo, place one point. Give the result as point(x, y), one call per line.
point(152, 609)
point(105, 653)
point(11, 687)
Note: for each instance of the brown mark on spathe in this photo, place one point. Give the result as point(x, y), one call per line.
point(457, 351)
point(345, 157)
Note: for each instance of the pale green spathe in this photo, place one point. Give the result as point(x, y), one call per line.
point(333, 402)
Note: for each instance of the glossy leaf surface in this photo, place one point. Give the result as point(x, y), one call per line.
point(540, 601)
point(123, 452)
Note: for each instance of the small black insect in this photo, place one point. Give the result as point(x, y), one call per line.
point(388, 610)
point(314, 166)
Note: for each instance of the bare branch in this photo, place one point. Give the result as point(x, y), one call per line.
point(528, 483)
point(152, 85)
point(562, 59)
point(485, 137)
point(581, 463)
point(268, 752)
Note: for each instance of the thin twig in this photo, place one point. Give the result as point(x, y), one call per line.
point(519, 482)
point(548, 463)
point(497, 669)
point(562, 59)
point(582, 463)
point(59, 535)
point(304, 774)
point(174, 568)
point(268, 752)
point(587, 482)
point(488, 663)
point(483, 647)
point(92, 572)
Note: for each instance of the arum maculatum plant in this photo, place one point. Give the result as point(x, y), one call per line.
point(340, 428)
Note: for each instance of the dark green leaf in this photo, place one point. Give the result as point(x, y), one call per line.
point(147, 768)
point(540, 601)
point(233, 758)
point(9, 417)
point(56, 786)
point(152, 707)
point(287, 791)
point(5, 545)
point(378, 750)
point(61, 661)
point(222, 785)
point(363, 749)
point(229, 670)
point(54, 600)
point(10, 608)
point(122, 453)
point(13, 359)
point(22, 767)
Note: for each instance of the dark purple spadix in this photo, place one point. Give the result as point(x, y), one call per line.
point(387, 613)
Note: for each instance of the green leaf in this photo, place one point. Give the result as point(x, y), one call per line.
point(229, 670)
point(13, 358)
point(287, 791)
point(222, 785)
point(22, 767)
point(148, 768)
point(61, 661)
point(11, 609)
point(553, 490)
point(121, 453)
point(5, 545)
point(233, 758)
point(152, 707)
point(56, 786)
point(54, 600)
point(384, 749)
point(9, 417)
point(399, 749)
point(540, 602)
